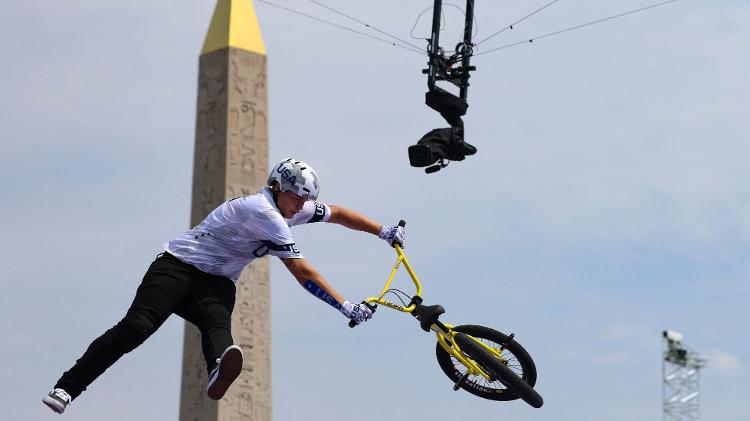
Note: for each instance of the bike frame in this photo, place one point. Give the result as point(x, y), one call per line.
point(444, 332)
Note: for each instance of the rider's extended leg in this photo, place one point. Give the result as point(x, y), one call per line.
point(163, 286)
point(209, 307)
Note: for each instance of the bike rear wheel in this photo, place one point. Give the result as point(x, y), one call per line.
point(513, 376)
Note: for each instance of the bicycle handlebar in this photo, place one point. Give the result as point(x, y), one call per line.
point(352, 323)
point(372, 308)
point(401, 224)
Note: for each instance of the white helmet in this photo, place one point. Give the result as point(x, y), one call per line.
point(296, 176)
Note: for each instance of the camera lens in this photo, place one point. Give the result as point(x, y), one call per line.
point(420, 156)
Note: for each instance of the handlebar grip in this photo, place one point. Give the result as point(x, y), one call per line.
point(372, 308)
point(401, 224)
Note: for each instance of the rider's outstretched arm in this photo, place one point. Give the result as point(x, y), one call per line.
point(313, 281)
point(357, 221)
point(354, 220)
point(316, 285)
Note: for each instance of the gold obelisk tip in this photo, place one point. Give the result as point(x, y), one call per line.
point(234, 24)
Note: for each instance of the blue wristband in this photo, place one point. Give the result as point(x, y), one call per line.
point(319, 292)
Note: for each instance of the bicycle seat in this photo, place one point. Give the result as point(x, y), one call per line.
point(427, 315)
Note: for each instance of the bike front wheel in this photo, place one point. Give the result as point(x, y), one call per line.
point(512, 376)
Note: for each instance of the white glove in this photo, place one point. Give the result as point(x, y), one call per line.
point(357, 312)
point(392, 235)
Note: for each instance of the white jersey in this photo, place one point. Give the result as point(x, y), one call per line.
point(241, 230)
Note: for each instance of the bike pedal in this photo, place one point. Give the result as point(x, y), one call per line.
point(461, 380)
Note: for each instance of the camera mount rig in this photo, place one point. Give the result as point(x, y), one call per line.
point(446, 144)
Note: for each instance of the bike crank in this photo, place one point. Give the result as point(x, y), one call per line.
point(460, 381)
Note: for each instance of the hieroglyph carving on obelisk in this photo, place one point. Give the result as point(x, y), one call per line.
point(231, 159)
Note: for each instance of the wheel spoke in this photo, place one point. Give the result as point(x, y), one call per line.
point(481, 381)
point(507, 353)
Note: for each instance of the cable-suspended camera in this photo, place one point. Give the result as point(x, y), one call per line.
point(435, 149)
point(440, 146)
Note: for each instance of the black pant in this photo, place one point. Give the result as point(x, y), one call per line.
point(169, 286)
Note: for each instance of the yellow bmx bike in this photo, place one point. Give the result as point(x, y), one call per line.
point(480, 360)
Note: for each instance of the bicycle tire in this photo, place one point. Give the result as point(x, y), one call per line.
point(508, 384)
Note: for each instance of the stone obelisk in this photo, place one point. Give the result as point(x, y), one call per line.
point(231, 159)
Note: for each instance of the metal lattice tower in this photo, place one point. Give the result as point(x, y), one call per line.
point(681, 379)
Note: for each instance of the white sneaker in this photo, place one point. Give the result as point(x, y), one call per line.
point(57, 400)
point(221, 377)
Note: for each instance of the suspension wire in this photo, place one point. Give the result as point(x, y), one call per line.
point(519, 21)
point(577, 27)
point(364, 23)
point(418, 51)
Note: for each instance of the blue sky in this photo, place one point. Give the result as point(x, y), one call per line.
point(608, 201)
